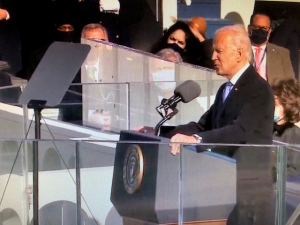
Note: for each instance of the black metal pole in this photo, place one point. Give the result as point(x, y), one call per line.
point(78, 185)
point(37, 115)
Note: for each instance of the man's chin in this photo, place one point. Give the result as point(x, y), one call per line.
point(218, 71)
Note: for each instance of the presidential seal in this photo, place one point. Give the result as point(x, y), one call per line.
point(133, 169)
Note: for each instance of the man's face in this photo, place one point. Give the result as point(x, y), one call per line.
point(225, 55)
point(95, 34)
point(65, 27)
point(260, 22)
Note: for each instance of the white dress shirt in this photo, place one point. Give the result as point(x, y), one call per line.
point(261, 64)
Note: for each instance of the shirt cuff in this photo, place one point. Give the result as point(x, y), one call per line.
point(198, 138)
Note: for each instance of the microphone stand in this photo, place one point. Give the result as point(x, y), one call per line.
point(164, 119)
point(37, 106)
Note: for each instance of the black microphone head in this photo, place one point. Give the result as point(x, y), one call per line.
point(187, 91)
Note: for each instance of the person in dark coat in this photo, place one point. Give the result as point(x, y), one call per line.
point(241, 114)
point(286, 120)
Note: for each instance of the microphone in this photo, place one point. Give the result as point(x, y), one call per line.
point(185, 92)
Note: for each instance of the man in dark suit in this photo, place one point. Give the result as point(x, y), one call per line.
point(241, 114)
point(271, 61)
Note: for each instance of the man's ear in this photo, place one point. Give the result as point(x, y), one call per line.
point(240, 53)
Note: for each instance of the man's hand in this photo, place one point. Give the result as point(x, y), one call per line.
point(180, 138)
point(3, 14)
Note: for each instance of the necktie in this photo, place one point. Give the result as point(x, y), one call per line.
point(227, 90)
point(258, 60)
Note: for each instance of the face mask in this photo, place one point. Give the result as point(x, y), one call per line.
point(165, 78)
point(259, 36)
point(277, 116)
point(64, 36)
point(175, 47)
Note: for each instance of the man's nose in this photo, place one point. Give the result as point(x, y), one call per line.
point(214, 56)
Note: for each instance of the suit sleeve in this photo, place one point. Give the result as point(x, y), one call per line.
point(287, 64)
point(190, 128)
point(253, 117)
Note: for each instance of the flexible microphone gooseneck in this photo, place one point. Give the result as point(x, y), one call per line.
point(185, 92)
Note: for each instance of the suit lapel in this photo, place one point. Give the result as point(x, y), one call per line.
point(234, 96)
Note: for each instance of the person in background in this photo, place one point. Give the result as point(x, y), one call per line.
point(64, 32)
point(94, 31)
point(181, 39)
point(271, 61)
point(204, 48)
point(286, 120)
point(170, 55)
point(164, 74)
point(73, 113)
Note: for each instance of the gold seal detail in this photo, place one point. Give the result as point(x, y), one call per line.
point(133, 169)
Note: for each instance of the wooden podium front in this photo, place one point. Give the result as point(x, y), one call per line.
point(146, 184)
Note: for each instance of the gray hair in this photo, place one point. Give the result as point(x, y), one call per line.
point(240, 38)
point(93, 26)
point(167, 53)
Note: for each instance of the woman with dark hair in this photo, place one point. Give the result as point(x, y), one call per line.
point(181, 39)
point(286, 119)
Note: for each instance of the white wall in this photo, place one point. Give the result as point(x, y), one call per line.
point(242, 7)
point(169, 10)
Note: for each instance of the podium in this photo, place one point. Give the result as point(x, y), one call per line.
point(148, 182)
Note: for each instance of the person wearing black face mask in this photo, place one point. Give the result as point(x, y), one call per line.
point(181, 39)
point(271, 61)
point(64, 33)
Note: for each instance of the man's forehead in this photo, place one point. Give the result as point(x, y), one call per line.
point(95, 33)
point(260, 19)
point(222, 38)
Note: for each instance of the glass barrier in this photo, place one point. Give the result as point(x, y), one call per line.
point(110, 63)
point(122, 93)
point(229, 184)
point(111, 107)
point(138, 179)
point(12, 119)
point(290, 158)
point(15, 187)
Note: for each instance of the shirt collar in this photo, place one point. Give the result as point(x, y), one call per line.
point(263, 47)
point(235, 78)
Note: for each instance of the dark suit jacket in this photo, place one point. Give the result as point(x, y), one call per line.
point(245, 117)
point(279, 64)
